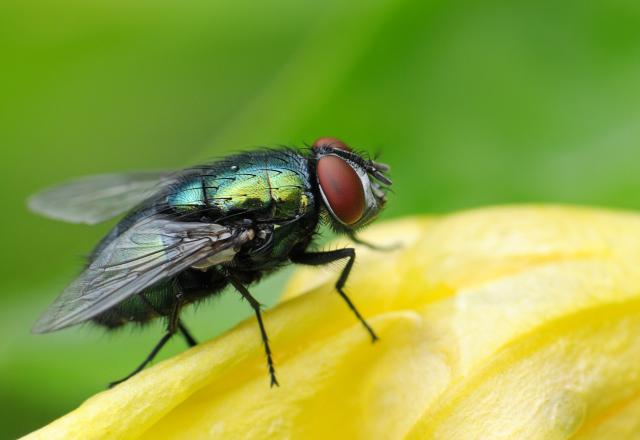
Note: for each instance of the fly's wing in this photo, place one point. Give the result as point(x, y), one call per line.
point(98, 198)
point(150, 251)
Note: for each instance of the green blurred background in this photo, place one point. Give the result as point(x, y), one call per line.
point(472, 103)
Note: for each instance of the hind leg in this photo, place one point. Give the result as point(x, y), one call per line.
point(173, 325)
point(186, 334)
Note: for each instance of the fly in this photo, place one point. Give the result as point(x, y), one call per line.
point(189, 234)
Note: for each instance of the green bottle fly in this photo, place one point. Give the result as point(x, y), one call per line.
point(191, 233)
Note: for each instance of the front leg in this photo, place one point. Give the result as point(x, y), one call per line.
point(322, 258)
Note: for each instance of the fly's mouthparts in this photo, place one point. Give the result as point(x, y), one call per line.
point(377, 191)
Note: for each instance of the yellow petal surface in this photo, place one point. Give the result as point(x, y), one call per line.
point(501, 323)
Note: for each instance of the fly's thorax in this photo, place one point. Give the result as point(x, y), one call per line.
point(290, 193)
point(273, 185)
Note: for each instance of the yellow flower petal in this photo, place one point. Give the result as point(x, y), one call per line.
point(519, 322)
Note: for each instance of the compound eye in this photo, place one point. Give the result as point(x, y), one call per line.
point(330, 142)
point(342, 189)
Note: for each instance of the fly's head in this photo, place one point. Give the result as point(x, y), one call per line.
point(353, 187)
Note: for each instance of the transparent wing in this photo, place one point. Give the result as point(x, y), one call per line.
point(151, 251)
point(94, 199)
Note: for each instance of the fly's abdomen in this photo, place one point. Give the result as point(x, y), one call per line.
point(141, 308)
point(190, 286)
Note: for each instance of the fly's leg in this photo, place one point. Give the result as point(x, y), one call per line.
point(322, 258)
point(149, 358)
point(172, 326)
point(255, 305)
point(186, 334)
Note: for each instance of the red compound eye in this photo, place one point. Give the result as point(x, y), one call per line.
point(330, 142)
point(341, 188)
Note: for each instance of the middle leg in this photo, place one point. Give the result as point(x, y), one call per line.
point(255, 305)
